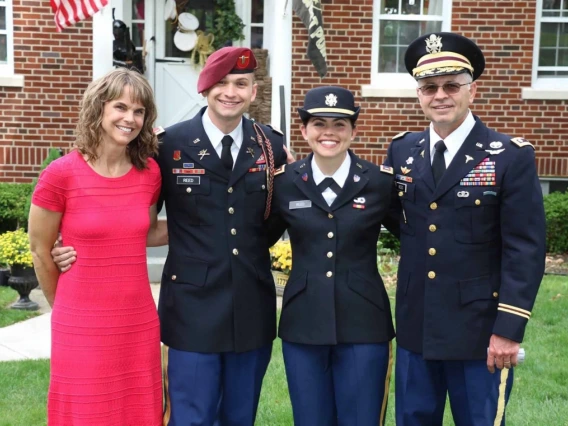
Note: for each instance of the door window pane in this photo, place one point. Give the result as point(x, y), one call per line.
point(3, 49)
point(202, 10)
point(257, 12)
point(2, 17)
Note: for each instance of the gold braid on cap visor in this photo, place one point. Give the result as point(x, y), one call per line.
point(448, 60)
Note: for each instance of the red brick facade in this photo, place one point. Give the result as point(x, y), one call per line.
point(57, 67)
point(505, 32)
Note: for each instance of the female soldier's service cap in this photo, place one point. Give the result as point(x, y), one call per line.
point(228, 60)
point(442, 54)
point(329, 101)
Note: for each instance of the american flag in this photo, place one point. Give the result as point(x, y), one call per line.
point(69, 12)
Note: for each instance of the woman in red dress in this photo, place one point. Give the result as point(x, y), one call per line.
point(105, 355)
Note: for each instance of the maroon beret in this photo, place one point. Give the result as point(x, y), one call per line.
point(228, 60)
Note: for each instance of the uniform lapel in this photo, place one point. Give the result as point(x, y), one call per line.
point(249, 153)
point(199, 148)
point(304, 180)
point(355, 182)
point(461, 164)
point(421, 155)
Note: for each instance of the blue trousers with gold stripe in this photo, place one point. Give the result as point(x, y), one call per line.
point(338, 385)
point(213, 389)
point(477, 397)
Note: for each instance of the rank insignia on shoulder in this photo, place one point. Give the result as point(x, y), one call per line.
point(158, 130)
point(400, 135)
point(520, 142)
point(275, 130)
point(279, 170)
point(387, 169)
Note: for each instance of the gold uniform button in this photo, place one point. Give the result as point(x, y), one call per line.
point(235, 252)
point(330, 235)
point(231, 210)
point(477, 202)
point(432, 252)
point(431, 275)
point(230, 190)
point(433, 206)
point(495, 294)
point(329, 274)
point(174, 278)
point(400, 194)
point(329, 254)
point(188, 190)
point(233, 231)
point(330, 215)
point(432, 228)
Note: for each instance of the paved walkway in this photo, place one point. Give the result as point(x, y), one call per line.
point(31, 339)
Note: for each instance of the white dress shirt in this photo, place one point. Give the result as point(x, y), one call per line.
point(215, 136)
point(453, 141)
point(340, 176)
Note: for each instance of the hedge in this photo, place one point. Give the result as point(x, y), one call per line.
point(556, 210)
point(13, 198)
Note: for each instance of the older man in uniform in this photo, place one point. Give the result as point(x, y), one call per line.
point(472, 232)
point(217, 300)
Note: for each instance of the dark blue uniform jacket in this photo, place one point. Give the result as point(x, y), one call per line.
point(472, 251)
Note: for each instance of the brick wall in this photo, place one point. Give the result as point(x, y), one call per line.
point(57, 67)
point(504, 30)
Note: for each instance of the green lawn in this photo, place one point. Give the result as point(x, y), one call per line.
point(10, 316)
point(540, 394)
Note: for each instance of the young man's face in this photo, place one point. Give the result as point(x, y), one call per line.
point(231, 97)
point(447, 111)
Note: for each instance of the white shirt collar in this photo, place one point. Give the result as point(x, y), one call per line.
point(455, 139)
point(340, 175)
point(215, 135)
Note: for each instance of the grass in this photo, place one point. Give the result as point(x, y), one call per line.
point(540, 393)
point(10, 316)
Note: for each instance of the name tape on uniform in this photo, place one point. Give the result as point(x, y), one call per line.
point(303, 204)
point(188, 180)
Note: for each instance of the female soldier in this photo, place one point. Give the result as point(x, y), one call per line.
point(336, 323)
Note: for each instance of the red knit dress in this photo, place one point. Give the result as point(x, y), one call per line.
point(105, 350)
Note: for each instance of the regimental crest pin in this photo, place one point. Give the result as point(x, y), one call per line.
point(331, 100)
point(421, 141)
point(468, 158)
point(203, 153)
point(479, 145)
point(405, 170)
point(409, 160)
point(305, 177)
point(177, 155)
point(360, 166)
point(197, 140)
point(356, 178)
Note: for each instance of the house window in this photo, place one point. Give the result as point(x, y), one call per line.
point(6, 38)
point(396, 24)
point(552, 41)
point(257, 24)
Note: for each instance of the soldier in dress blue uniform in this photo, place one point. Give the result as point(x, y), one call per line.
point(336, 323)
point(217, 301)
point(472, 233)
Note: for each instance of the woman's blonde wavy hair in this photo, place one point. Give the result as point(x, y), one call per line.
point(108, 88)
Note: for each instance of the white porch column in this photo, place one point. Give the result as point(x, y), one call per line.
point(278, 41)
point(102, 40)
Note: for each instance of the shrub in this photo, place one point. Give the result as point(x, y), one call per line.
point(15, 248)
point(389, 241)
point(13, 213)
point(556, 211)
point(281, 256)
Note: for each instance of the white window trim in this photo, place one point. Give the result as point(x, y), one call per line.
point(543, 88)
point(7, 76)
point(395, 85)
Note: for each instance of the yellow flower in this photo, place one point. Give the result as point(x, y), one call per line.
point(15, 248)
point(281, 256)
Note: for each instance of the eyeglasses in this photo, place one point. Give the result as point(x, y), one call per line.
point(449, 88)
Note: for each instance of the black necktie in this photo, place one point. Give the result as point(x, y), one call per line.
point(438, 163)
point(329, 183)
point(226, 156)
